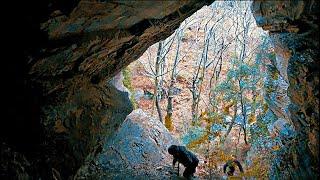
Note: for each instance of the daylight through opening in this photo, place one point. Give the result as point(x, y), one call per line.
point(209, 83)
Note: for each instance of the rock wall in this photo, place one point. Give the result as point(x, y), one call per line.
point(59, 58)
point(293, 27)
point(137, 150)
point(73, 129)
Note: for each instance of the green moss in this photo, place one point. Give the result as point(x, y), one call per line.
point(127, 83)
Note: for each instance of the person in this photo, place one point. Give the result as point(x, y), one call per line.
point(185, 157)
point(229, 167)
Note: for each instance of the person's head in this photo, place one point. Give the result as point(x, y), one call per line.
point(172, 149)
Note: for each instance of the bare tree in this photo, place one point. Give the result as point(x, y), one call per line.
point(174, 75)
point(198, 77)
point(156, 71)
point(157, 85)
point(204, 62)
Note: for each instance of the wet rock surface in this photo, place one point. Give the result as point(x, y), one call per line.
point(14, 165)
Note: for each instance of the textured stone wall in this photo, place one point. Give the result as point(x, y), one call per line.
point(61, 55)
point(87, 48)
point(137, 150)
point(293, 27)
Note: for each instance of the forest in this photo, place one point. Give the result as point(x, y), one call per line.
point(208, 83)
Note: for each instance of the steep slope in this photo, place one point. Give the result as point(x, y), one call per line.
point(138, 149)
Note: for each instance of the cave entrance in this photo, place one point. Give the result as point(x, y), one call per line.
point(209, 83)
point(217, 71)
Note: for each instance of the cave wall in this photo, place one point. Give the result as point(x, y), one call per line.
point(294, 29)
point(60, 57)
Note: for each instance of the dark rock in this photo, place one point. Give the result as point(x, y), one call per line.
point(14, 165)
point(293, 27)
point(87, 116)
point(117, 82)
point(61, 55)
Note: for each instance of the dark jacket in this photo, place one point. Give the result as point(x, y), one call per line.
point(183, 156)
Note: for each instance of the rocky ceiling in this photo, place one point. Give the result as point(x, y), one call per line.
point(59, 55)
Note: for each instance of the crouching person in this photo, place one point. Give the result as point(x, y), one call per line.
point(229, 167)
point(185, 157)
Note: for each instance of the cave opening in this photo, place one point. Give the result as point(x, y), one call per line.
point(184, 83)
point(211, 83)
point(64, 118)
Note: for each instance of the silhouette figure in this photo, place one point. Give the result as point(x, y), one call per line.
point(185, 157)
point(229, 167)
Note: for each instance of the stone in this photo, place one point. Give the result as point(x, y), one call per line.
point(57, 90)
point(137, 149)
point(293, 28)
point(117, 82)
point(14, 165)
point(61, 55)
point(138, 94)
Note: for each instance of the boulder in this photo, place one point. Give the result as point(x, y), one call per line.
point(117, 82)
point(138, 94)
point(137, 150)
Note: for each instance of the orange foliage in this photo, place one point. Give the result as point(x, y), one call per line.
point(168, 123)
point(216, 159)
point(276, 147)
point(252, 119)
point(258, 169)
point(226, 109)
point(265, 108)
point(194, 144)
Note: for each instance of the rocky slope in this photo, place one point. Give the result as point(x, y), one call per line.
point(137, 149)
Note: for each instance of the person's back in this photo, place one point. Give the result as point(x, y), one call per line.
point(185, 157)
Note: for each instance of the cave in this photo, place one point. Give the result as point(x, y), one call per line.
point(60, 56)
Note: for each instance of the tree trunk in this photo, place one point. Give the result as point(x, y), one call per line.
point(232, 121)
point(244, 114)
point(173, 79)
point(157, 90)
point(199, 77)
